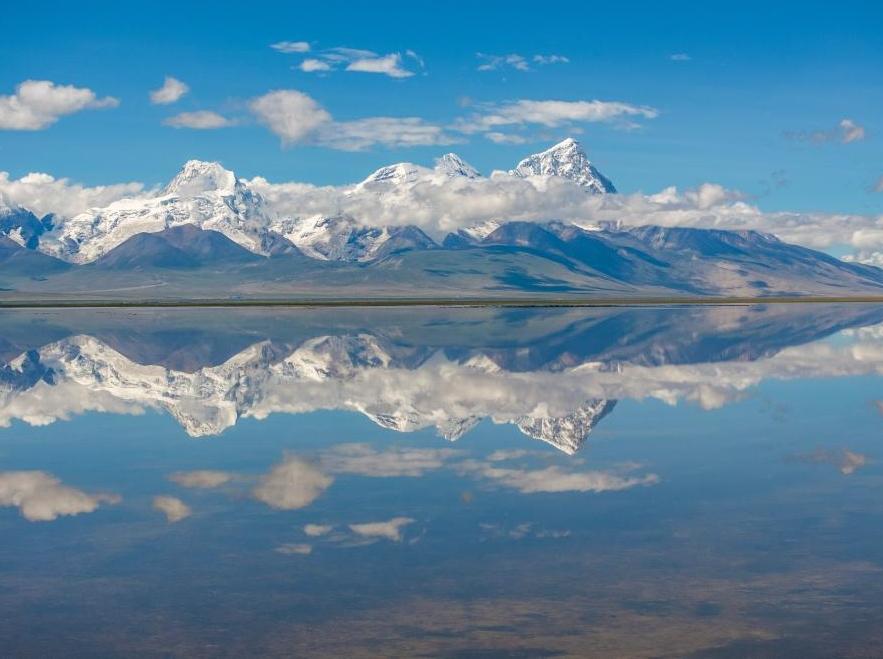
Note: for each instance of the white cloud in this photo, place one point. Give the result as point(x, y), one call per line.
point(290, 114)
point(388, 530)
point(505, 138)
point(41, 497)
point(440, 206)
point(291, 485)
point(390, 65)
point(291, 46)
point(295, 549)
point(171, 91)
point(42, 193)
point(551, 59)
point(200, 120)
point(391, 132)
point(551, 114)
point(37, 104)
point(555, 479)
point(846, 132)
point(297, 118)
point(680, 57)
point(173, 508)
point(851, 131)
point(317, 530)
point(516, 61)
point(201, 479)
point(878, 186)
point(495, 62)
point(363, 460)
point(314, 65)
point(359, 60)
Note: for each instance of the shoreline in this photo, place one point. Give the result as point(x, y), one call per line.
point(85, 303)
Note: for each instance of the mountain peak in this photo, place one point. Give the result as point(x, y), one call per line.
point(198, 176)
point(453, 165)
point(567, 159)
point(567, 144)
point(400, 172)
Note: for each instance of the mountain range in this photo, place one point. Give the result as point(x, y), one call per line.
point(208, 233)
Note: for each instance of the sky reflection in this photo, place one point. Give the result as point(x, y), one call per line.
point(711, 477)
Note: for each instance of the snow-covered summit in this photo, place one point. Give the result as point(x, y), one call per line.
point(199, 176)
point(568, 160)
point(397, 174)
point(203, 194)
point(453, 165)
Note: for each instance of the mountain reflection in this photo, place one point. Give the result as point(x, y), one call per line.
point(554, 374)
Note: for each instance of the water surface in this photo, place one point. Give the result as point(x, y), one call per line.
point(442, 482)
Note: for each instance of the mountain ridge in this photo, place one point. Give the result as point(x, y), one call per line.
point(206, 221)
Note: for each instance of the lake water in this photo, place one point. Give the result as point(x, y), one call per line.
point(699, 481)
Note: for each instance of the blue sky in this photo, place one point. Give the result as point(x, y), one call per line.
point(755, 105)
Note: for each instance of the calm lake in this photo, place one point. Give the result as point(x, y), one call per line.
point(694, 481)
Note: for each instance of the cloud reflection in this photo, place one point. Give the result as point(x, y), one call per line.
point(41, 497)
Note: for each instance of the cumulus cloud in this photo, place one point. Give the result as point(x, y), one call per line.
point(291, 485)
point(551, 114)
point(37, 104)
point(846, 132)
point(171, 91)
point(313, 65)
point(41, 497)
point(290, 114)
point(364, 460)
point(291, 46)
point(200, 120)
point(555, 479)
point(390, 65)
point(388, 530)
point(317, 530)
point(42, 193)
point(203, 479)
point(516, 61)
point(297, 118)
point(295, 548)
point(173, 508)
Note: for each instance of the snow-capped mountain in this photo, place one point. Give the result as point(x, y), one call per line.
point(450, 165)
point(498, 255)
point(203, 194)
point(409, 371)
point(342, 238)
point(453, 165)
point(210, 197)
point(568, 160)
point(567, 433)
point(350, 372)
point(21, 226)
